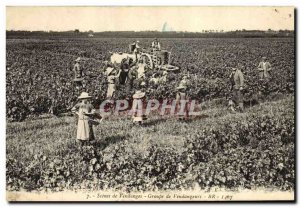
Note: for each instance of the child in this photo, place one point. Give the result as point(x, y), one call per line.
point(85, 111)
point(112, 75)
point(182, 96)
point(79, 74)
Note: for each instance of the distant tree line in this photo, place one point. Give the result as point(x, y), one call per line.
point(150, 34)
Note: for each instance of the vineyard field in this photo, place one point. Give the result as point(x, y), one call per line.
point(250, 150)
point(39, 71)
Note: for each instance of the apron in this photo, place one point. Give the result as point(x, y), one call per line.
point(181, 96)
point(85, 128)
point(137, 115)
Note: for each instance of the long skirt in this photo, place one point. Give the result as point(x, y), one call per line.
point(110, 90)
point(85, 130)
point(138, 115)
point(181, 96)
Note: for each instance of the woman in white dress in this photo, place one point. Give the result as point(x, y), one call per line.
point(85, 110)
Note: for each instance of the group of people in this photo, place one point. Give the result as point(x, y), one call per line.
point(130, 70)
point(125, 74)
point(88, 117)
point(155, 45)
point(237, 84)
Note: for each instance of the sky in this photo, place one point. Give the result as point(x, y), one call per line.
point(191, 19)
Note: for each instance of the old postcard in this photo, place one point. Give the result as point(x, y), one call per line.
point(150, 104)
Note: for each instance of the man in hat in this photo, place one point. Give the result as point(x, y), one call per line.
point(137, 44)
point(124, 70)
point(79, 74)
point(264, 69)
point(132, 75)
point(85, 111)
point(112, 75)
point(137, 49)
point(182, 97)
point(237, 85)
point(155, 45)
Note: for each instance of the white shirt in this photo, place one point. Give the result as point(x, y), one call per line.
point(264, 65)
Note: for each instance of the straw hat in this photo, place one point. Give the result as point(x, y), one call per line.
point(138, 94)
point(264, 58)
point(84, 95)
point(78, 59)
point(181, 87)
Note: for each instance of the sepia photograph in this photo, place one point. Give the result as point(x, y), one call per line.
point(150, 103)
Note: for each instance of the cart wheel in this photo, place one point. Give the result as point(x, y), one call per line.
point(148, 60)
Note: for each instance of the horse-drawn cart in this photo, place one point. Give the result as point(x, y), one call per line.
point(159, 59)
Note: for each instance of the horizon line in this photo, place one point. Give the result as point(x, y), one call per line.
point(181, 31)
